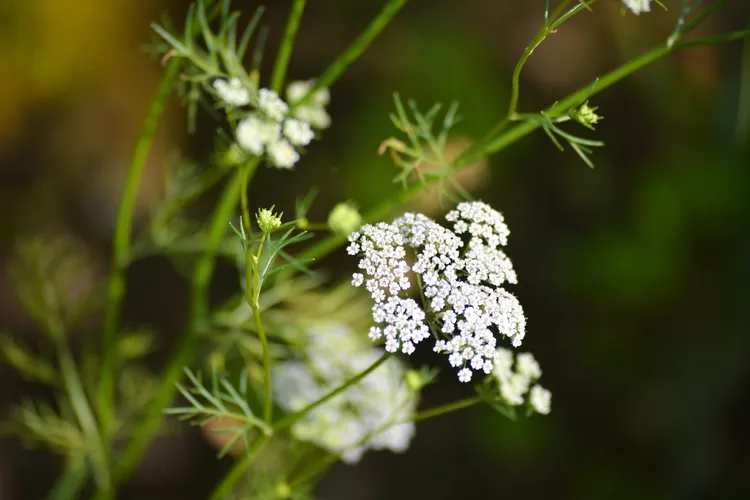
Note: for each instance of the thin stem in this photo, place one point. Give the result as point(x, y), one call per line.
point(512, 115)
point(120, 257)
point(198, 311)
point(290, 419)
point(285, 50)
point(252, 295)
point(354, 50)
point(267, 403)
point(238, 470)
point(446, 408)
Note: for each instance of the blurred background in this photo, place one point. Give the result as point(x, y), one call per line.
point(633, 275)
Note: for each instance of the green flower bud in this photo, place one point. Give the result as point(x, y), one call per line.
point(344, 219)
point(283, 490)
point(414, 380)
point(586, 115)
point(267, 220)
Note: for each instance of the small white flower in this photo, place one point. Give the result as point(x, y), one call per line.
point(464, 375)
point(255, 133)
point(313, 110)
point(297, 90)
point(528, 366)
point(637, 6)
point(282, 154)
point(540, 399)
point(272, 105)
point(298, 132)
point(250, 136)
point(314, 115)
point(357, 279)
point(233, 92)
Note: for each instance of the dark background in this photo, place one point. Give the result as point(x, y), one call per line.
point(633, 275)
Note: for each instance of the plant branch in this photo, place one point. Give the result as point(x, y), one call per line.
point(116, 288)
point(285, 50)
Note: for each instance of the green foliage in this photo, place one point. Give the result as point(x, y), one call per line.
point(220, 402)
point(29, 365)
point(423, 157)
point(212, 53)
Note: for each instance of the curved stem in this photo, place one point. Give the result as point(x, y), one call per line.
point(285, 50)
point(446, 408)
point(120, 257)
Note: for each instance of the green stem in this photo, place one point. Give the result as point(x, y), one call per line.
point(290, 419)
point(183, 354)
point(238, 470)
point(252, 293)
point(268, 403)
point(285, 50)
point(354, 50)
point(116, 289)
point(512, 115)
point(446, 408)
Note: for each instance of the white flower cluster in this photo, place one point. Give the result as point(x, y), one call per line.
point(314, 110)
point(637, 6)
point(270, 129)
point(460, 280)
point(514, 385)
point(233, 92)
point(372, 414)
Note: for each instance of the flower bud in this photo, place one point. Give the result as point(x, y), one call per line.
point(586, 115)
point(344, 219)
point(267, 220)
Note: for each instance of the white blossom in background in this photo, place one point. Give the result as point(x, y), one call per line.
point(514, 385)
point(371, 414)
point(460, 270)
point(232, 92)
point(312, 111)
point(637, 6)
point(540, 399)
